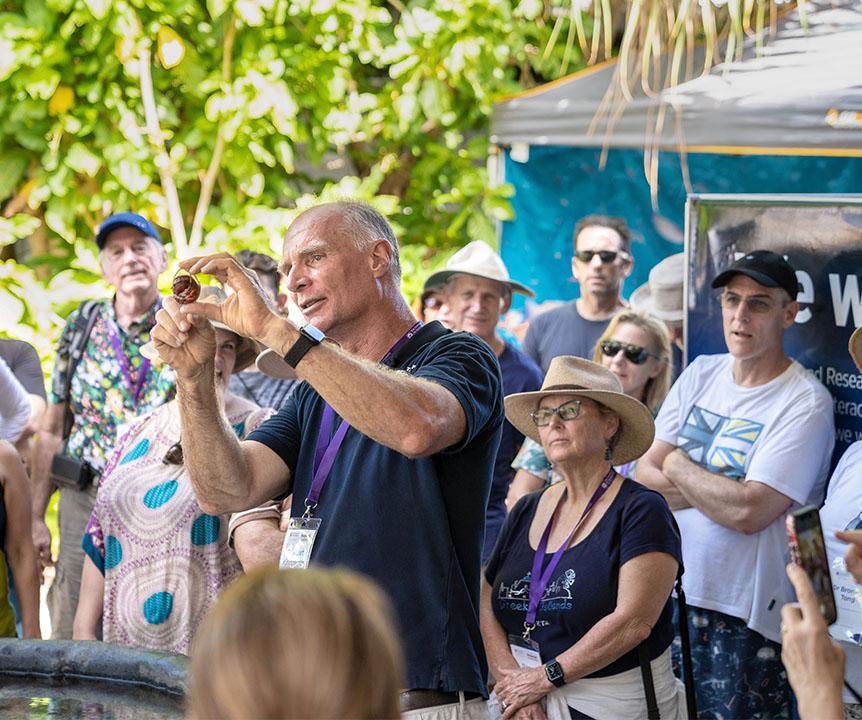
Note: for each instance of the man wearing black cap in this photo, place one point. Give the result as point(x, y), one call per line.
point(99, 382)
point(741, 439)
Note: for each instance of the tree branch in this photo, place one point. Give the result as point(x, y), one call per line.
point(163, 162)
point(209, 178)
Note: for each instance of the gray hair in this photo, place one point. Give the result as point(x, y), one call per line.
point(366, 226)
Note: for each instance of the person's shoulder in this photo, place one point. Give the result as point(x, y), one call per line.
point(803, 383)
point(524, 362)
point(564, 314)
point(633, 494)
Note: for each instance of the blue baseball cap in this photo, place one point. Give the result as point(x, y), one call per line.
point(126, 219)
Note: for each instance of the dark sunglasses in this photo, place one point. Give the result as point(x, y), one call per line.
point(633, 353)
point(174, 455)
point(606, 256)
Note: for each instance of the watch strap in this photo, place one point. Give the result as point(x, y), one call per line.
point(303, 344)
point(554, 673)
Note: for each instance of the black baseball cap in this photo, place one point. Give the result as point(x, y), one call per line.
point(765, 267)
point(126, 219)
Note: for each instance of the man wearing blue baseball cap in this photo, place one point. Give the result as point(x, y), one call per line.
point(99, 382)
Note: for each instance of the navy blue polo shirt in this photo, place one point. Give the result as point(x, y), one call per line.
point(413, 525)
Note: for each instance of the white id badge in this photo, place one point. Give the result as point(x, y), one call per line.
point(298, 541)
point(525, 652)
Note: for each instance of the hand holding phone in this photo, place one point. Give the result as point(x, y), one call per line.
point(808, 550)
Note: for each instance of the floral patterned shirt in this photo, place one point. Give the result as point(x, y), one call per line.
point(101, 398)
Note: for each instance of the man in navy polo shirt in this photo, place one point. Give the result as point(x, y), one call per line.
point(388, 446)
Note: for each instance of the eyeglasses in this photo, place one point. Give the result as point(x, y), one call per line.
point(633, 353)
point(757, 305)
point(606, 256)
point(567, 411)
point(174, 455)
point(432, 303)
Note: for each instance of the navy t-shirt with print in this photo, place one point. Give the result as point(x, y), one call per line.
point(583, 588)
point(413, 525)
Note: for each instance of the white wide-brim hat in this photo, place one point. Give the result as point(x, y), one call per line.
point(477, 258)
point(662, 295)
point(569, 375)
point(246, 351)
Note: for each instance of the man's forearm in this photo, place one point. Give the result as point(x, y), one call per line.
point(410, 415)
point(723, 500)
point(46, 445)
point(211, 451)
point(651, 476)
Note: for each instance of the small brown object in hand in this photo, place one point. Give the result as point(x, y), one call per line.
point(185, 287)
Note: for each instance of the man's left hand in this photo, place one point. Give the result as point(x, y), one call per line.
point(519, 688)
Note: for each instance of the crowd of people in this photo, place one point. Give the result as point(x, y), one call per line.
point(514, 516)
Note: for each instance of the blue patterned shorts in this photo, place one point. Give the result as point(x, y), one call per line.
point(738, 673)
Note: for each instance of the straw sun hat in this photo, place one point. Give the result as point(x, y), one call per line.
point(246, 351)
point(569, 375)
point(855, 347)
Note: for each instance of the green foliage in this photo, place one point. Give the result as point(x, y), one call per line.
point(387, 102)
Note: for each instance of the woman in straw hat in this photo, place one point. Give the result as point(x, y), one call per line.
point(636, 347)
point(579, 584)
point(154, 560)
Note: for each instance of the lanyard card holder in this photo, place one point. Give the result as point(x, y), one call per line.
point(298, 542)
point(526, 652)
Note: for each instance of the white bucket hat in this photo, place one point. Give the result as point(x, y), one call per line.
point(569, 375)
point(855, 347)
point(662, 294)
point(477, 258)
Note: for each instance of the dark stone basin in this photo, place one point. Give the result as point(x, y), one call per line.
point(62, 679)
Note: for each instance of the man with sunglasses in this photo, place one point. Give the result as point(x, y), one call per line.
point(742, 438)
point(602, 261)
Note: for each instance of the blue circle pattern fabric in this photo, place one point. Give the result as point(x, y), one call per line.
point(158, 607)
point(113, 552)
point(205, 529)
point(159, 494)
point(136, 452)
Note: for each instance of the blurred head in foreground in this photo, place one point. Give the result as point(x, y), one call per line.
point(313, 643)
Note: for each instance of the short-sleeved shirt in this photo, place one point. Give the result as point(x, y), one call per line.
point(414, 525)
point(101, 399)
point(520, 374)
point(583, 588)
point(23, 361)
point(780, 434)
point(562, 331)
point(843, 511)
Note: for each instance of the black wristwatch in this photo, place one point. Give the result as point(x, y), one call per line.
point(309, 336)
point(554, 671)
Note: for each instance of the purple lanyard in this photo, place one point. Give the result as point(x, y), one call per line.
point(539, 580)
point(324, 452)
point(138, 387)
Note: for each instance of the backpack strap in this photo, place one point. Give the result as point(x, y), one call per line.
point(88, 311)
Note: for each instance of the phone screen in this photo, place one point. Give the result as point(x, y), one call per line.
point(808, 550)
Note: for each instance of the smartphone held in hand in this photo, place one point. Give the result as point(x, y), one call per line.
point(808, 550)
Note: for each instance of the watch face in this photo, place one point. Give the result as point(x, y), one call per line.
point(313, 333)
point(554, 671)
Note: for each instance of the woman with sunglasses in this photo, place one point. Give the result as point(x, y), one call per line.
point(636, 347)
point(576, 596)
point(154, 560)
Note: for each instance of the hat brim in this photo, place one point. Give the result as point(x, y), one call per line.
point(641, 299)
point(246, 352)
point(439, 278)
point(855, 347)
point(723, 278)
point(272, 364)
point(637, 427)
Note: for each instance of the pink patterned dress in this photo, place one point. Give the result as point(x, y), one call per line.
point(163, 558)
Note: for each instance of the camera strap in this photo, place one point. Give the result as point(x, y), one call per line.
point(88, 312)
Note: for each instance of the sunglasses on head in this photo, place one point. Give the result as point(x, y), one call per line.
point(606, 256)
point(633, 353)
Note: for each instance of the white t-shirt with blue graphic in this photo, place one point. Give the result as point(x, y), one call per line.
point(780, 434)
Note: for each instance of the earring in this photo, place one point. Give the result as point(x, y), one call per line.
point(608, 453)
